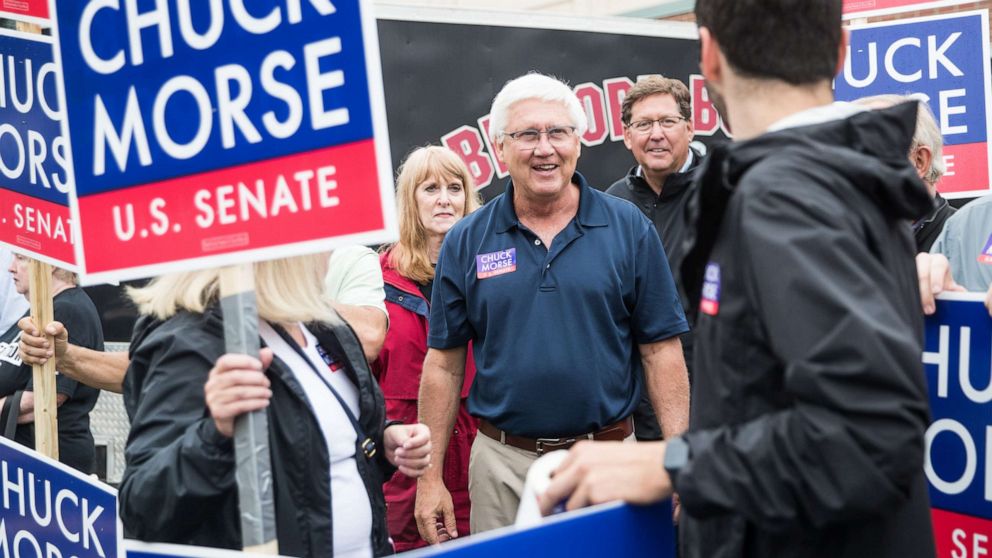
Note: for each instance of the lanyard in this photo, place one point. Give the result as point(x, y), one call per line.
point(368, 445)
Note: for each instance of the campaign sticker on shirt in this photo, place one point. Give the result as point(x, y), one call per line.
point(496, 263)
point(986, 255)
point(710, 301)
point(332, 364)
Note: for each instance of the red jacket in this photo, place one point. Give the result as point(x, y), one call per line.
point(398, 370)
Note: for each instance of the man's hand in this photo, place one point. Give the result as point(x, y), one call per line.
point(35, 348)
point(933, 272)
point(434, 511)
point(597, 472)
point(408, 447)
point(988, 300)
point(237, 385)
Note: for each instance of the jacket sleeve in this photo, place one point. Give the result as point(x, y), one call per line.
point(849, 442)
point(179, 466)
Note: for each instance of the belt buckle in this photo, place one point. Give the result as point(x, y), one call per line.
point(539, 443)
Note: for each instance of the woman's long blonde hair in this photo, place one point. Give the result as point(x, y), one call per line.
point(287, 290)
point(409, 255)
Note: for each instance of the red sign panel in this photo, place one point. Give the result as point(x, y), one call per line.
point(868, 8)
point(24, 9)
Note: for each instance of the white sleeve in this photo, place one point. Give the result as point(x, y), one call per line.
point(354, 277)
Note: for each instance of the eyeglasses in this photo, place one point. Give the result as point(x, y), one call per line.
point(528, 139)
point(645, 126)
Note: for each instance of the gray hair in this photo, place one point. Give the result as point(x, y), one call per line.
point(927, 130)
point(534, 86)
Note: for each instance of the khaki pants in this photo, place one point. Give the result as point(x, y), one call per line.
point(496, 474)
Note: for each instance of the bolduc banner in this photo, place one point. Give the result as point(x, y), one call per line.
point(958, 357)
point(448, 103)
point(205, 134)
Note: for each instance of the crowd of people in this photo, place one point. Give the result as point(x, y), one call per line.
point(783, 275)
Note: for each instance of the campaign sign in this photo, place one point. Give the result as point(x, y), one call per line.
point(871, 8)
point(608, 530)
point(137, 549)
point(48, 510)
point(26, 10)
point(946, 59)
point(212, 133)
point(958, 360)
point(34, 183)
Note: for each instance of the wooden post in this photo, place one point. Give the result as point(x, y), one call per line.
point(46, 428)
point(251, 430)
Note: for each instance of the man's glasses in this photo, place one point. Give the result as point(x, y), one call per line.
point(528, 139)
point(645, 126)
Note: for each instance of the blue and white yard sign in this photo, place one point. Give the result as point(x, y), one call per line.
point(946, 59)
point(48, 510)
point(206, 133)
point(958, 363)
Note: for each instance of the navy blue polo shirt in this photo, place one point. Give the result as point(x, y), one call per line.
point(555, 332)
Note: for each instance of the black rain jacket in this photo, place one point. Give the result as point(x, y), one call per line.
point(809, 405)
point(178, 484)
point(667, 212)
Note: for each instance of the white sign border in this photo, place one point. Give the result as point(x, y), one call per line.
point(984, 15)
point(388, 233)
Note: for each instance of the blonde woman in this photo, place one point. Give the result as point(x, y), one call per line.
point(183, 393)
point(434, 191)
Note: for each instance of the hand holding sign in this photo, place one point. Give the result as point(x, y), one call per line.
point(237, 385)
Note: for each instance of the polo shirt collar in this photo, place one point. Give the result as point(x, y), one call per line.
point(591, 211)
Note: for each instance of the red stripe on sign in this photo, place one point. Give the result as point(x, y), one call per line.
point(308, 196)
point(33, 8)
point(37, 225)
point(961, 535)
point(967, 169)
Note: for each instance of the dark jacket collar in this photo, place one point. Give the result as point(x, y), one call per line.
point(591, 211)
point(675, 183)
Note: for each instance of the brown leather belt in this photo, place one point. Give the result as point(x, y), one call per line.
point(615, 432)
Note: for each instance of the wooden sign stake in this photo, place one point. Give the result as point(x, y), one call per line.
point(46, 428)
point(251, 430)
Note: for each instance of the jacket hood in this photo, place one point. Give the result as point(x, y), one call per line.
point(871, 148)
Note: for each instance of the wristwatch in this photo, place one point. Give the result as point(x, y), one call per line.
point(676, 456)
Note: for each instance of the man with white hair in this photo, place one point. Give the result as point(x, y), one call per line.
point(927, 156)
point(567, 298)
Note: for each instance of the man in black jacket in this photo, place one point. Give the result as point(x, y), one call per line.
point(657, 129)
point(809, 404)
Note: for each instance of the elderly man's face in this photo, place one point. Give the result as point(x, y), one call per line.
point(660, 150)
point(19, 272)
point(545, 168)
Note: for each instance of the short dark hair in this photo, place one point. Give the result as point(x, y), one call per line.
point(657, 85)
point(795, 41)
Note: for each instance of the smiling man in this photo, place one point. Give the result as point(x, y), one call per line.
point(568, 300)
point(657, 129)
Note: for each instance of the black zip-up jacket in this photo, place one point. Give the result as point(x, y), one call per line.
point(178, 484)
point(809, 405)
point(928, 228)
point(667, 212)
